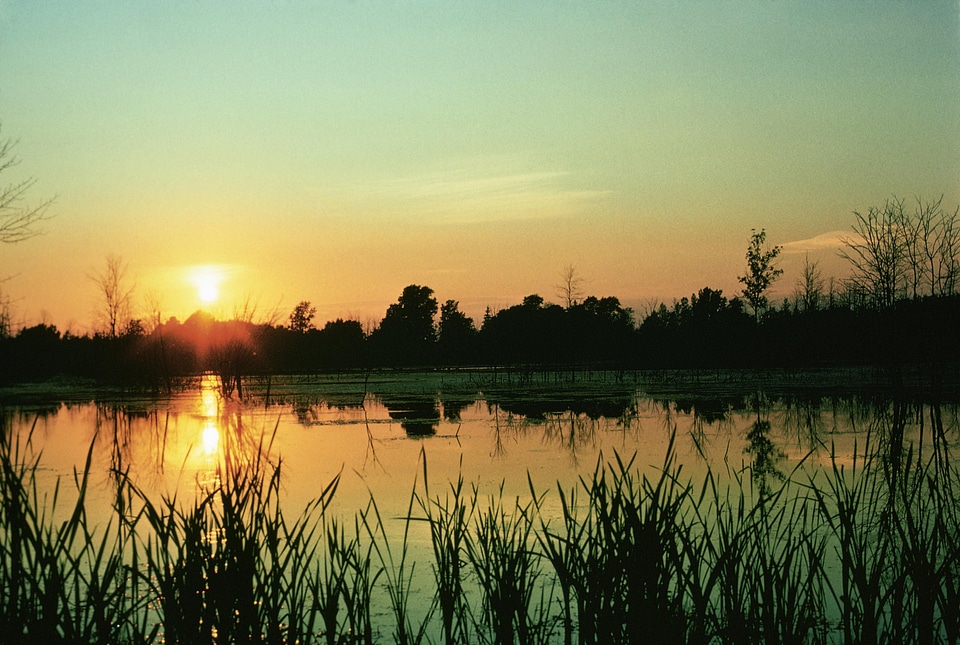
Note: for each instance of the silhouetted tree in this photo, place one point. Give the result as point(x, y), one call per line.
point(599, 329)
point(6, 315)
point(18, 221)
point(705, 329)
point(761, 272)
point(896, 253)
point(570, 287)
point(878, 254)
point(301, 318)
point(938, 248)
point(530, 332)
point(810, 286)
point(116, 291)
point(231, 357)
point(533, 301)
point(33, 354)
point(407, 333)
point(341, 344)
point(457, 335)
point(134, 328)
point(231, 349)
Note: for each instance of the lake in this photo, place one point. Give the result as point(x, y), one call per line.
point(386, 435)
point(492, 428)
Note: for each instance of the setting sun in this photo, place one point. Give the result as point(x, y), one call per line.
point(207, 291)
point(207, 280)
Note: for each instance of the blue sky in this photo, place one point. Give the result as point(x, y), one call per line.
point(338, 151)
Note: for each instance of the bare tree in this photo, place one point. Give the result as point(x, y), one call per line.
point(935, 253)
point(647, 308)
point(153, 310)
point(897, 254)
point(272, 317)
point(878, 253)
point(116, 290)
point(248, 311)
point(910, 230)
point(810, 286)
point(570, 289)
point(18, 221)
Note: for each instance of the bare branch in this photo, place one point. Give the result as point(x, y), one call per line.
point(18, 220)
point(810, 286)
point(570, 287)
point(117, 293)
point(897, 254)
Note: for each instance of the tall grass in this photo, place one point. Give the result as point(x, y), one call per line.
point(853, 553)
point(449, 519)
point(896, 536)
point(62, 580)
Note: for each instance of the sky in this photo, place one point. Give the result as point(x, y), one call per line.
point(336, 152)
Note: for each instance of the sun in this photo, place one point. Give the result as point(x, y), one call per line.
point(207, 290)
point(207, 280)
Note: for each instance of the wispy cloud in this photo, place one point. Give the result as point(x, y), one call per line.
point(463, 196)
point(463, 184)
point(823, 242)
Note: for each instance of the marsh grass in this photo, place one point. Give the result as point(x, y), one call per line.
point(398, 571)
point(852, 553)
point(515, 604)
point(896, 528)
point(449, 518)
point(62, 579)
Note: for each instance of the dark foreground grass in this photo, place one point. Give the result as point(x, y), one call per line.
point(859, 552)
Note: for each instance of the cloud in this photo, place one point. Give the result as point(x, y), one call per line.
point(464, 185)
point(465, 196)
point(824, 242)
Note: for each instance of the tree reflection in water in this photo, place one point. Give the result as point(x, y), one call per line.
point(766, 455)
point(418, 417)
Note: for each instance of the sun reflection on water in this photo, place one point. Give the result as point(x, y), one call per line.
point(210, 439)
point(207, 446)
point(226, 439)
point(209, 396)
point(210, 411)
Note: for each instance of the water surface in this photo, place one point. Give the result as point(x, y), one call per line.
point(374, 431)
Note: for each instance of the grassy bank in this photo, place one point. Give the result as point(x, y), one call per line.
point(866, 550)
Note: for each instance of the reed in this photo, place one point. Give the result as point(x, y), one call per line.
point(516, 601)
point(62, 580)
point(863, 552)
point(329, 582)
point(397, 570)
point(449, 519)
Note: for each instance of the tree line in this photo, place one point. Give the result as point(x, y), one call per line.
point(900, 304)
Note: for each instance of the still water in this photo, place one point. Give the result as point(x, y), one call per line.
point(375, 431)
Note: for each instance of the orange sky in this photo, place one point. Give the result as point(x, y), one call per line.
point(336, 152)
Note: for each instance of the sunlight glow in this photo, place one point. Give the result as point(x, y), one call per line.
point(207, 279)
point(210, 440)
point(209, 401)
point(207, 292)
